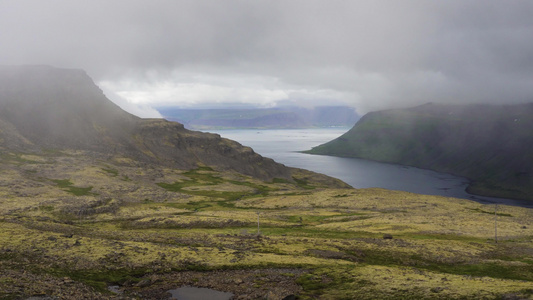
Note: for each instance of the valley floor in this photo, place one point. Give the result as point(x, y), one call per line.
point(73, 224)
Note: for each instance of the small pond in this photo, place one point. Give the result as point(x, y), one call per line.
point(194, 293)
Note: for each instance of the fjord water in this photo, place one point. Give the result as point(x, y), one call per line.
point(283, 145)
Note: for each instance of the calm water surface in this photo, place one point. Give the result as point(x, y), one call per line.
point(194, 293)
point(282, 146)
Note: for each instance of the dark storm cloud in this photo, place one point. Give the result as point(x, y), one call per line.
point(369, 54)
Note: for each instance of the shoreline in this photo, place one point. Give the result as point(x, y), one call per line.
point(474, 189)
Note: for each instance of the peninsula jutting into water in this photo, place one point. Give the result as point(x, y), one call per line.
point(286, 146)
point(489, 144)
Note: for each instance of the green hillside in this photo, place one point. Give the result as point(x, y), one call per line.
point(491, 145)
point(98, 204)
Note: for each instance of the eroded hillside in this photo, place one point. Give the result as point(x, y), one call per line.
point(44, 108)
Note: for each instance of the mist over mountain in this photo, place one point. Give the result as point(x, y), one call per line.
point(265, 118)
point(52, 108)
point(45, 108)
point(489, 144)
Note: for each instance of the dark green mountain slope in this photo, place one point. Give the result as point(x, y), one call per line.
point(491, 145)
point(44, 108)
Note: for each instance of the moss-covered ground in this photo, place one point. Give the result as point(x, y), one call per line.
point(74, 223)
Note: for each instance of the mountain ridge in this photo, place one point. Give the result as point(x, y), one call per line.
point(109, 215)
point(262, 118)
point(489, 144)
point(43, 107)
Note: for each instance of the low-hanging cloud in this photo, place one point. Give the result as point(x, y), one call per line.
point(370, 54)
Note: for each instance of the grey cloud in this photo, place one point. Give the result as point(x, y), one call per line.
point(372, 54)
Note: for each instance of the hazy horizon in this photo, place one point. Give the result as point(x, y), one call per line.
point(369, 55)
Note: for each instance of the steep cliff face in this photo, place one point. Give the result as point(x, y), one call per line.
point(47, 108)
point(170, 143)
point(492, 145)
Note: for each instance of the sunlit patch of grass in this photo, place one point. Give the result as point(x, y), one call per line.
point(197, 177)
point(303, 183)
point(207, 220)
point(21, 158)
point(46, 208)
point(490, 213)
point(386, 282)
point(67, 186)
point(493, 270)
point(146, 209)
point(206, 182)
point(280, 180)
point(111, 171)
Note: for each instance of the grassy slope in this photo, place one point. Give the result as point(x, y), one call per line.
point(488, 144)
point(149, 230)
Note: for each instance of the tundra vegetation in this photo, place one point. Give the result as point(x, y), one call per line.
point(72, 224)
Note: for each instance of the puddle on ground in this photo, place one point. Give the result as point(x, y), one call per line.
point(194, 293)
point(114, 289)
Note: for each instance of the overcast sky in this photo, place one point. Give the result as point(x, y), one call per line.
point(367, 54)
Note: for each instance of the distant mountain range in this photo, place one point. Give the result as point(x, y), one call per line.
point(48, 109)
point(490, 144)
point(268, 118)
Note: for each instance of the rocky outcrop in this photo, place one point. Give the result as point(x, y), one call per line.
point(48, 108)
